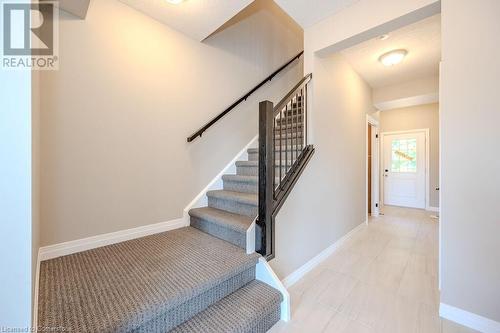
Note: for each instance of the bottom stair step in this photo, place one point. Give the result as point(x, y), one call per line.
point(255, 308)
point(149, 284)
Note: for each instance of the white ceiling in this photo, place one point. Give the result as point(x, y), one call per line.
point(195, 18)
point(309, 12)
point(423, 42)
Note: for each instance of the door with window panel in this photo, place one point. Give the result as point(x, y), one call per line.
point(404, 169)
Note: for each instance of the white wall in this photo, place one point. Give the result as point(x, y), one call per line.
point(329, 199)
point(15, 199)
point(129, 91)
point(418, 117)
point(470, 161)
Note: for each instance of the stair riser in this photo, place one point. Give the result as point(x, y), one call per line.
point(253, 156)
point(167, 321)
point(248, 310)
point(268, 321)
point(254, 170)
point(229, 235)
point(245, 187)
point(233, 206)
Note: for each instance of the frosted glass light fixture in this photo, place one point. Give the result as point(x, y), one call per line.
point(175, 2)
point(393, 57)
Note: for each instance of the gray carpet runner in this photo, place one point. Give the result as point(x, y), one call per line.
point(154, 284)
point(193, 279)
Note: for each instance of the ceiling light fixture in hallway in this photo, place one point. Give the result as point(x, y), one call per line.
point(393, 57)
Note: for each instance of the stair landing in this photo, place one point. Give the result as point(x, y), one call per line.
point(127, 286)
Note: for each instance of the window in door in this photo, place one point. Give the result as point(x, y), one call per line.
point(404, 155)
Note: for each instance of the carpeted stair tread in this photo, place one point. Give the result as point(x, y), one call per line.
point(241, 179)
point(125, 286)
point(244, 179)
point(255, 308)
point(239, 197)
point(222, 218)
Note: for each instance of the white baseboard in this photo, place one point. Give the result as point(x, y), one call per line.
point(266, 274)
point(294, 277)
point(62, 249)
point(432, 209)
point(468, 319)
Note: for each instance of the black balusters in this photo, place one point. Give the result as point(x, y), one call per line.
point(290, 116)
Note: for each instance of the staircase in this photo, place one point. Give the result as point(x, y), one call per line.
point(200, 278)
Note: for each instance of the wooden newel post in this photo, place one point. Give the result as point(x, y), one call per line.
point(264, 241)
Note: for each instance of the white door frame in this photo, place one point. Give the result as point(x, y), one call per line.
point(375, 204)
point(427, 161)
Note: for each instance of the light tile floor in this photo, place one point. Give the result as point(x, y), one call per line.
point(384, 279)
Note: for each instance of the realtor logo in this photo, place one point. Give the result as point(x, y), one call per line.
point(30, 35)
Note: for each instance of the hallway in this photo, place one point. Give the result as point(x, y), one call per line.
point(383, 279)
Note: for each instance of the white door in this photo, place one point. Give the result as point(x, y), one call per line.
point(404, 169)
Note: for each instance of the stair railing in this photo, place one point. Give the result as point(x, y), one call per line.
point(243, 98)
point(283, 154)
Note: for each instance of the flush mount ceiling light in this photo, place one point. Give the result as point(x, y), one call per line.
point(393, 57)
point(175, 2)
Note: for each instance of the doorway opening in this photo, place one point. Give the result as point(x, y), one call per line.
point(372, 167)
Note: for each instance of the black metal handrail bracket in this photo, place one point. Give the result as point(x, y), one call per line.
point(283, 154)
point(200, 132)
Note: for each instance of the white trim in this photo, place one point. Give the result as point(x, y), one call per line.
point(427, 162)
point(78, 245)
point(35, 293)
point(440, 178)
point(250, 238)
point(216, 183)
point(468, 319)
point(432, 209)
point(375, 168)
point(294, 277)
point(264, 273)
